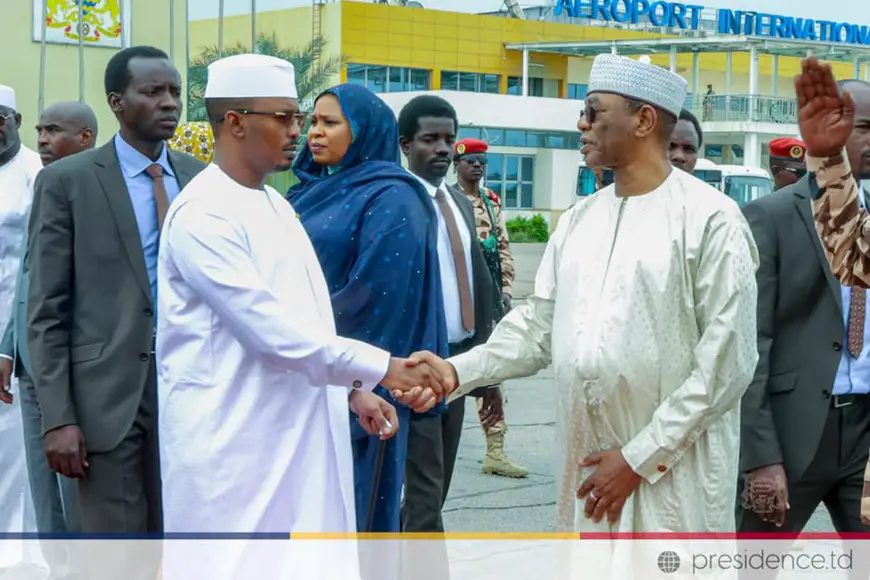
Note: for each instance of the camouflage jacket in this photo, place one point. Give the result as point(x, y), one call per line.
point(484, 227)
point(844, 230)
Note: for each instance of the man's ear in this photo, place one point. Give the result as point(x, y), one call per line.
point(404, 145)
point(87, 138)
point(647, 121)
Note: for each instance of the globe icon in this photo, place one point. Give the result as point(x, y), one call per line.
point(668, 562)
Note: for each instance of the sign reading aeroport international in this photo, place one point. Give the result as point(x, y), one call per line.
point(688, 17)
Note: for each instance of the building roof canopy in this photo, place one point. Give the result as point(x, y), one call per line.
point(830, 51)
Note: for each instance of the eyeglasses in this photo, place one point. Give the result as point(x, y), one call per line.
point(3, 119)
point(798, 171)
point(299, 119)
point(474, 158)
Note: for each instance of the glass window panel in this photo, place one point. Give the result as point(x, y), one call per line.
point(356, 74)
point(536, 138)
point(510, 195)
point(490, 84)
point(398, 77)
point(572, 141)
point(468, 82)
point(376, 79)
point(469, 133)
point(515, 137)
point(494, 136)
point(526, 196)
point(512, 167)
point(419, 80)
point(556, 141)
point(527, 169)
point(494, 167)
point(449, 80)
point(536, 87)
point(496, 186)
point(515, 86)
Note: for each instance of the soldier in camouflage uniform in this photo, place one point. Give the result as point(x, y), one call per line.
point(470, 163)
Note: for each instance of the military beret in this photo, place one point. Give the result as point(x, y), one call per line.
point(469, 146)
point(788, 148)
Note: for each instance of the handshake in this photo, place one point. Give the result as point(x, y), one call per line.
point(420, 381)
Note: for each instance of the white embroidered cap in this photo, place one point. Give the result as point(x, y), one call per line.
point(7, 97)
point(638, 79)
point(251, 76)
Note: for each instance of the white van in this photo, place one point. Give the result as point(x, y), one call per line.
point(742, 184)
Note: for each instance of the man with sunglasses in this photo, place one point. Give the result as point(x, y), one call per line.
point(470, 162)
point(787, 161)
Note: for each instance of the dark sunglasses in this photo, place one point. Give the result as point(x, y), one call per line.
point(798, 171)
point(474, 158)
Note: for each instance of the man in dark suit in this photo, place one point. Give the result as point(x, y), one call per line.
point(63, 129)
point(94, 234)
point(806, 415)
point(427, 131)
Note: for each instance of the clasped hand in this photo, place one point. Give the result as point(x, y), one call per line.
point(421, 381)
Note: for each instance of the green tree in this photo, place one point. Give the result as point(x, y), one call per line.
point(311, 76)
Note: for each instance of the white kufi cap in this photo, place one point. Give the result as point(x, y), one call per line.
point(638, 79)
point(251, 76)
point(7, 97)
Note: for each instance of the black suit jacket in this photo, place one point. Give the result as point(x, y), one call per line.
point(89, 305)
point(800, 335)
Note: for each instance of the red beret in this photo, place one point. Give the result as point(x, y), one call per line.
point(468, 146)
point(788, 148)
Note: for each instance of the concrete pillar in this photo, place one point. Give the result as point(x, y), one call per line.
point(673, 59)
point(751, 150)
point(729, 62)
point(857, 74)
point(696, 73)
point(613, 48)
point(753, 83)
point(774, 75)
point(525, 72)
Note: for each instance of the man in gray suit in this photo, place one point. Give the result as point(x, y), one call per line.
point(63, 129)
point(427, 131)
point(94, 234)
point(806, 415)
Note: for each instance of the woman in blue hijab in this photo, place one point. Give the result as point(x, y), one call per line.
point(374, 228)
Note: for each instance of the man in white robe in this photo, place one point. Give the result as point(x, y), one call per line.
point(254, 384)
point(645, 304)
point(18, 168)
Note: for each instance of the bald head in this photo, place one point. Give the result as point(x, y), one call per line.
point(64, 129)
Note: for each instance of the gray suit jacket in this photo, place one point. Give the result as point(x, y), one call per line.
point(800, 335)
point(14, 341)
point(90, 311)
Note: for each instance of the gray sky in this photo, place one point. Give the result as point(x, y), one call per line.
point(852, 11)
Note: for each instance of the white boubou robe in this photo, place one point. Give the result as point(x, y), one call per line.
point(646, 307)
point(253, 385)
point(17, 514)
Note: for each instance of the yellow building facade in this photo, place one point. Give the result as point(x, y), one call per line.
point(149, 25)
point(436, 42)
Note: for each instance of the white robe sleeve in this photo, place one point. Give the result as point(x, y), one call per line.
point(210, 254)
point(725, 297)
point(520, 344)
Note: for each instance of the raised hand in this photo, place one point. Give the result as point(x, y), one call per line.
point(376, 416)
point(825, 117)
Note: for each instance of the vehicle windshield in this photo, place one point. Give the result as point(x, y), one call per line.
point(745, 188)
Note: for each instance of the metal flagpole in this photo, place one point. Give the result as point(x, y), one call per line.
point(254, 26)
point(220, 28)
point(81, 51)
point(121, 24)
point(172, 31)
point(42, 57)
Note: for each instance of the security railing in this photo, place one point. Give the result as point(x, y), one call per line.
point(743, 108)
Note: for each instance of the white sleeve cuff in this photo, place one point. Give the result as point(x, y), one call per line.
point(6, 356)
point(360, 365)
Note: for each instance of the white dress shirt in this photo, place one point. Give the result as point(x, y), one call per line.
point(450, 287)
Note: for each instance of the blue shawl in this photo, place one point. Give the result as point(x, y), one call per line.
point(374, 228)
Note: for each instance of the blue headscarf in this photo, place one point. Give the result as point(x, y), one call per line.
point(374, 228)
point(375, 144)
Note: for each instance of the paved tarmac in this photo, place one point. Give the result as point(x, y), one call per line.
point(486, 503)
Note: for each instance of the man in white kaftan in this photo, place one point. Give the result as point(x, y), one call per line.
point(18, 168)
point(645, 304)
point(253, 382)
